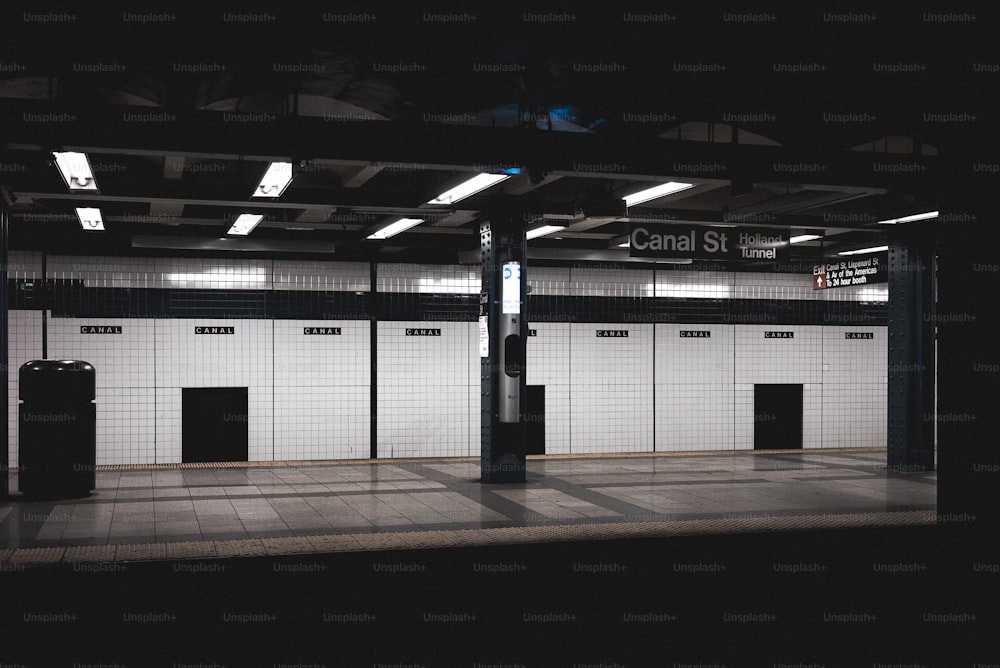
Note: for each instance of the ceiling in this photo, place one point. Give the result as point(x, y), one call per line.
point(379, 112)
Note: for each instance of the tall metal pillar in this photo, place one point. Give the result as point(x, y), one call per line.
point(4, 450)
point(502, 306)
point(911, 377)
point(968, 478)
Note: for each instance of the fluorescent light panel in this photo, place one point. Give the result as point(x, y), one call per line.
point(90, 219)
point(468, 188)
point(909, 219)
point(393, 229)
point(245, 223)
point(543, 230)
point(804, 237)
point(873, 249)
point(656, 192)
point(275, 180)
point(75, 170)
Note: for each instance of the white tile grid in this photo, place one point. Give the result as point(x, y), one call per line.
point(24, 344)
point(125, 377)
point(695, 416)
point(860, 361)
point(548, 280)
point(795, 360)
point(611, 282)
point(612, 384)
point(186, 359)
point(337, 276)
point(442, 279)
point(694, 388)
point(423, 390)
point(475, 389)
point(549, 364)
point(322, 401)
point(214, 274)
point(855, 415)
point(694, 284)
point(855, 387)
point(321, 423)
point(104, 271)
point(24, 264)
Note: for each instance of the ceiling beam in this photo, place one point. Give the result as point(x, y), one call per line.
point(207, 134)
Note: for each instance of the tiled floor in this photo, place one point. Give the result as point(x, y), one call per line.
point(238, 508)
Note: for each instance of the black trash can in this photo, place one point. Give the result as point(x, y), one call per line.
point(57, 437)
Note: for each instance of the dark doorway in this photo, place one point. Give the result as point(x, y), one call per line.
point(777, 417)
point(214, 424)
point(535, 417)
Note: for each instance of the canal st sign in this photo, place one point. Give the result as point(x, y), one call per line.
point(707, 243)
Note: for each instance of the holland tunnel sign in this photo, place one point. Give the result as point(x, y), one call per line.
point(707, 243)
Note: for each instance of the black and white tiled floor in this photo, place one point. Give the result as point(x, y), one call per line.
point(259, 509)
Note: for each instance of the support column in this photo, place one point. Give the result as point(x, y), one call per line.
point(911, 377)
point(502, 305)
point(968, 416)
point(4, 352)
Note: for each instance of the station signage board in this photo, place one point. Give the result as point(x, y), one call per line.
point(655, 240)
point(863, 271)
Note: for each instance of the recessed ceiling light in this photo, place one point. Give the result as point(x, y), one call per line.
point(468, 188)
point(543, 230)
point(395, 228)
point(804, 237)
point(909, 219)
point(75, 170)
point(90, 219)
point(275, 180)
point(873, 249)
point(245, 223)
point(656, 192)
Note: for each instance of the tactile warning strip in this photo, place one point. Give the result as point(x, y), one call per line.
point(416, 540)
point(428, 460)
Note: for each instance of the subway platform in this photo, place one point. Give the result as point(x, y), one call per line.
point(205, 511)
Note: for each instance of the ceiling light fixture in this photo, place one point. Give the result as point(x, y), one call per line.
point(543, 230)
point(656, 192)
point(873, 249)
point(804, 237)
point(393, 229)
point(468, 188)
point(275, 180)
point(90, 219)
point(909, 219)
point(245, 223)
point(75, 170)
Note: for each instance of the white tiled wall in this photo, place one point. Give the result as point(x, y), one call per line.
point(425, 389)
point(322, 401)
point(442, 279)
point(125, 375)
point(310, 395)
point(186, 359)
point(695, 407)
point(855, 390)
point(612, 381)
point(549, 364)
point(763, 360)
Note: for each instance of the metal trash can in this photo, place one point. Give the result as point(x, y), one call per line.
point(57, 437)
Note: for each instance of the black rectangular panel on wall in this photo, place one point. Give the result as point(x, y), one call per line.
point(777, 416)
point(214, 424)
